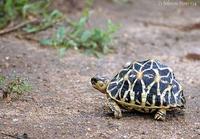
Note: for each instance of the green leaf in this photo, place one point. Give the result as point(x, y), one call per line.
point(80, 24)
point(18, 86)
point(2, 79)
point(9, 8)
point(55, 14)
point(35, 8)
point(19, 4)
point(112, 28)
point(82, 21)
point(48, 21)
point(72, 43)
point(46, 42)
point(30, 28)
point(98, 35)
point(86, 35)
point(60, 35)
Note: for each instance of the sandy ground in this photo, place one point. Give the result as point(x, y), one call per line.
point(63, 104)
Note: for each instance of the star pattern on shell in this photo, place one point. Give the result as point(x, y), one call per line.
point(146, 85)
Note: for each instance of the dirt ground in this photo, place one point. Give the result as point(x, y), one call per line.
point(63, 105)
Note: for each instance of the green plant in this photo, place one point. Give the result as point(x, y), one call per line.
point(47, 21)
point(2, 79)
point(35, 8)
point(94, 41)
point(28, 10)
point(16, 86)
point(9, 10)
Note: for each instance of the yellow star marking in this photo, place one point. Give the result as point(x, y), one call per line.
point(157, 78)
point(132, 96)
point(139, 75)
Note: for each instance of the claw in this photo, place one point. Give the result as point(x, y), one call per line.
point(117, 114)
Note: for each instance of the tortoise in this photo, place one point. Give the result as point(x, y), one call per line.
point(146, 86)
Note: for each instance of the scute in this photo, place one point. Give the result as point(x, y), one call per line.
point(137, 66)
point(155, 66)
point(128, 98)
point(157, 100)
point(165, 72)
point(137, 87)
point(155, 87)
point(163, 86)
point(143, 62)
point(176, 86)
point(166, 99)
point(146, 66)
point(149, 100)
point(148, 77)
point(122, 73)
point(124, 88)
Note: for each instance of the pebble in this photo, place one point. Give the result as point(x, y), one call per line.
point(125, 137)
point(7, 57)
point(15, 120)
point(19, 56)
point(89, 129)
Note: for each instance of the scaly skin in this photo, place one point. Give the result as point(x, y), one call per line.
point(115, 108)
point(160, 115)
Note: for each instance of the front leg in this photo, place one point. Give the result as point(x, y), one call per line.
point(114, 108)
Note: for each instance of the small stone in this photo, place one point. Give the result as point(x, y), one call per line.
point(15, 120)
point(191, 81)
point(125, 137)
point(7, 57)
point(125, 35)
point(19, 56)
point(88, 122)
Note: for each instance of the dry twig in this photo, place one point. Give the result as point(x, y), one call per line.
point(185, 28)
point(11, 29)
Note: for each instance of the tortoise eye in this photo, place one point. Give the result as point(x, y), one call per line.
point(100, 84)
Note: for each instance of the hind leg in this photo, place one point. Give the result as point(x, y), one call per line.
point(114, 108)
point(160, 115)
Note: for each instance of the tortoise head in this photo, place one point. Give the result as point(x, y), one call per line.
point(100, 83)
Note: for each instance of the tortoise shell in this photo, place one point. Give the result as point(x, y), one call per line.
point(146, 84)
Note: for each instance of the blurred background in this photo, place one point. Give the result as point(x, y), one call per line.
point(49, 50)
